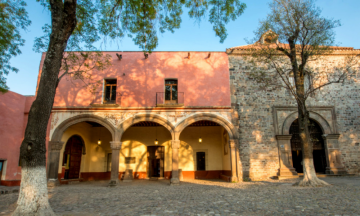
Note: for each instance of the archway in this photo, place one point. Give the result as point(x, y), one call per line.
point(206, 117)
point(145, 150)
point(319, 156)
point(205, 151)
point(72, 157)
point(96, 134)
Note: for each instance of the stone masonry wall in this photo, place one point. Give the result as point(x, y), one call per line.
point(259, 155)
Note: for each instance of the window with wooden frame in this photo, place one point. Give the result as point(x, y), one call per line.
point(110, 91)
point(171, 91)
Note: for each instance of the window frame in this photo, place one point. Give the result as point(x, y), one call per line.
point(171, 85)
point(111, 87)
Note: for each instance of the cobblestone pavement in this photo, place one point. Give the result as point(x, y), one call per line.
point(199, 197)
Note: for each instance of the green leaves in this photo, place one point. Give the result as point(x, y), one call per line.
point(222, 12)
point(142, 19)
point(13, 18)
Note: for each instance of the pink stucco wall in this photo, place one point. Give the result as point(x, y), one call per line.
point(204, 81)
point(13, 117)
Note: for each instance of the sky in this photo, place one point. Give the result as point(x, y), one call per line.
point(190, 37)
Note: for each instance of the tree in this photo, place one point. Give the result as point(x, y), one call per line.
point(286, 57)
point(80, 23)
point(13, 18)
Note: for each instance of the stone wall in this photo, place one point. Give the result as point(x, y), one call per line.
point(258, 146)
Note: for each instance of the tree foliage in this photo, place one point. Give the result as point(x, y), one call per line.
point(13, 19)
point(141, 20)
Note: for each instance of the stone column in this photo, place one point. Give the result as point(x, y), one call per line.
point(115, 151)
point(232, 144)
point(333, 156)
point(53, 162)
point(286, 165)
point(175, 144)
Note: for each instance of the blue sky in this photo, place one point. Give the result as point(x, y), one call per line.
point(190, 37)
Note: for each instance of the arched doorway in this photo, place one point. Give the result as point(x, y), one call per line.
point(72, 157)
point(318, 146)
point(146, 151)
point(204, 151)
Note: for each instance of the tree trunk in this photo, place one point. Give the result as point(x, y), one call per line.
point(310, 179)
point(33, 195)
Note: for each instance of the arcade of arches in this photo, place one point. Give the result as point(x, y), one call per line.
point(146, 149)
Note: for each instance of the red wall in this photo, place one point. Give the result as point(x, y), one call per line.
point(204, 81)
point(13, 118)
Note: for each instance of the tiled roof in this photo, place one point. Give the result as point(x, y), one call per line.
point(257, 46)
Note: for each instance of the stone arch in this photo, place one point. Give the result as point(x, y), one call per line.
point(209, 117)
point(81, 118)
point(146, 117)
point(324, 125)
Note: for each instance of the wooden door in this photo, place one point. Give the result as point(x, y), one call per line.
point(200, 161)
point(156, 161)
point(74, 150)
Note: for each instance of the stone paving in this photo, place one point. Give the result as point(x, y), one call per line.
point(200, 197)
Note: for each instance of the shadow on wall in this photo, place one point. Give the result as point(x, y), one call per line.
point(143, 78)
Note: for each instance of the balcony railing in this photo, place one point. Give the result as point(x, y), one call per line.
point(174, 100)
point(99, 98)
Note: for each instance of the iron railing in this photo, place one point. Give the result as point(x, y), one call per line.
point(99, 98)
point(177, 99)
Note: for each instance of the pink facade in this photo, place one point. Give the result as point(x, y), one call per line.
point(202, 80)
point(14, 109)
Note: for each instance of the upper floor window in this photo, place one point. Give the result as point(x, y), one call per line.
point(110, 91)
point(171, 91)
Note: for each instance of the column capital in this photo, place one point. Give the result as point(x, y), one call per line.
point(283, 137)
point(331, 136)
point(175, 144)
point(115, 145)
point(55, 145)
point(233, 143)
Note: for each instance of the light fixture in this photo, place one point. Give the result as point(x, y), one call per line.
point(156, 141)
point(99, 141)
point(146, 55)
point(200, 139)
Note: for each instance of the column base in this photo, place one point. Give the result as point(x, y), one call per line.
point(335, 171)
point(113, 183)
point(233, 179)
point(53, 183)
point(174, 181)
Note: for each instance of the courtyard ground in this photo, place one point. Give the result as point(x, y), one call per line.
point(200, 197)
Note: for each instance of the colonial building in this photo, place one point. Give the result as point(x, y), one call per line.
point(186, 115)
point(165, 116)
point(267, 124)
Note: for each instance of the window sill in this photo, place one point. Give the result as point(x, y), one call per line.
point(104, 105)
point(170, 105)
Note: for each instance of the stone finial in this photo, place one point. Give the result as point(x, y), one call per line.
point(175, 144)
point(115, 145)
point(55, 145)
point(232, 143)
